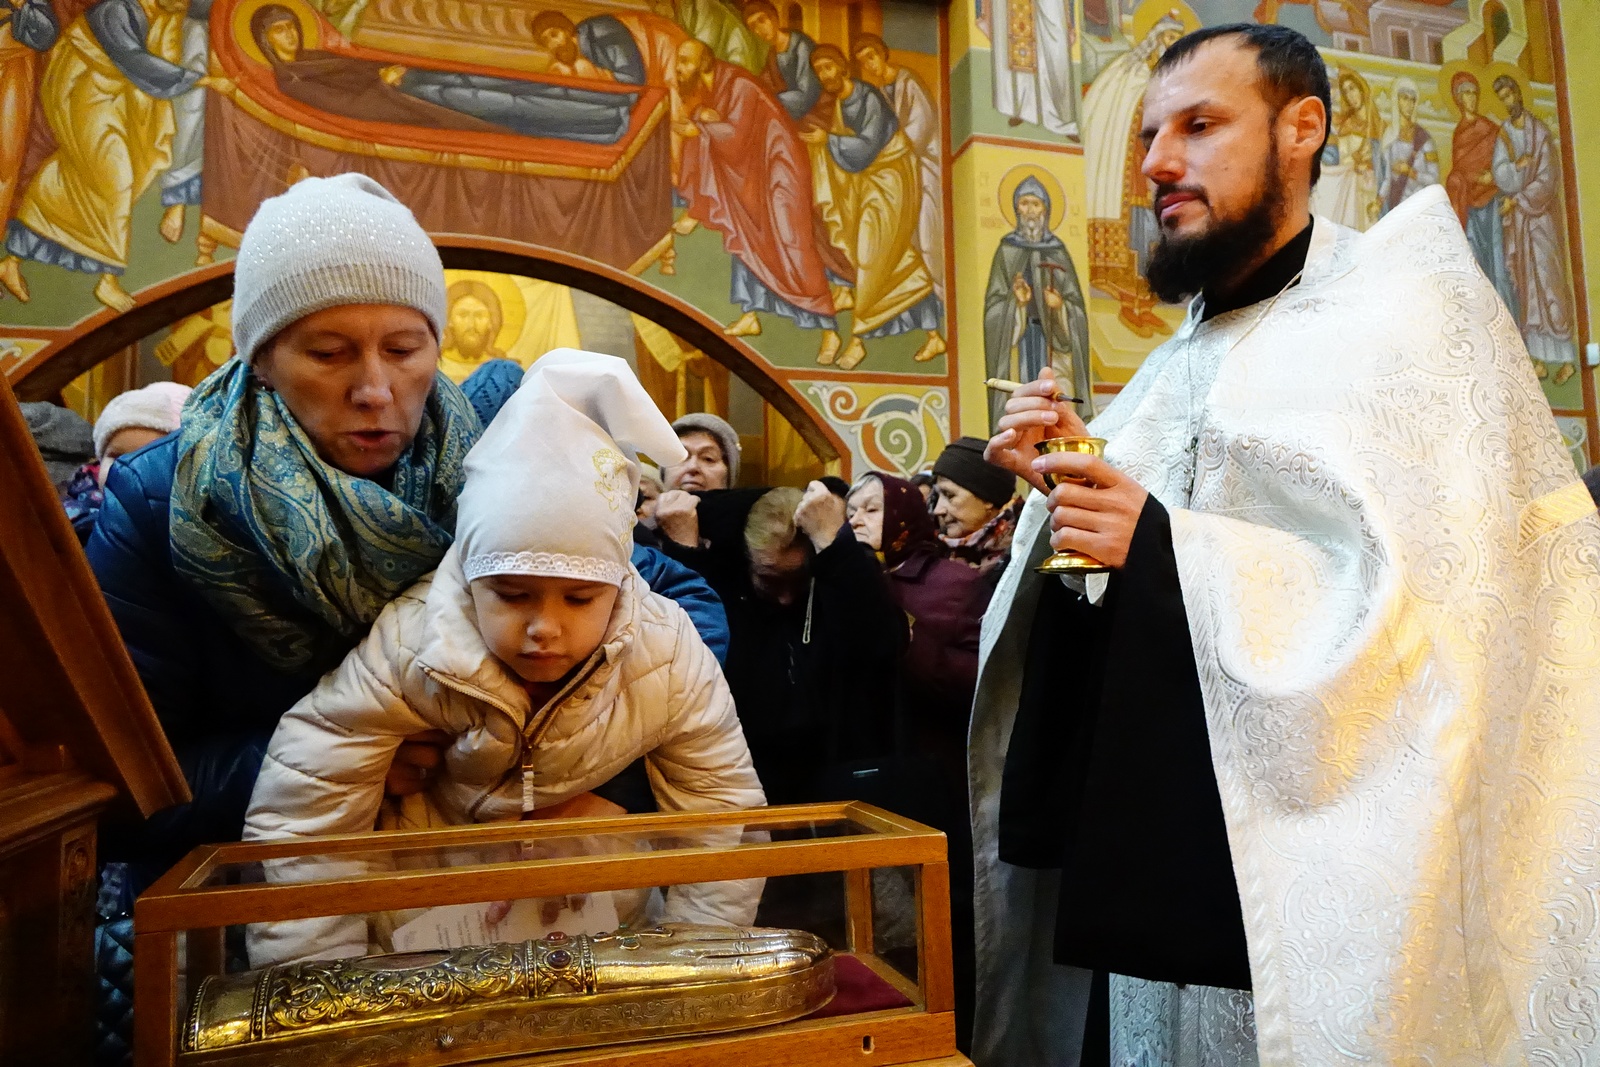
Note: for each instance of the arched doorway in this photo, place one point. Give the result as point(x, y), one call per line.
point(46, 373)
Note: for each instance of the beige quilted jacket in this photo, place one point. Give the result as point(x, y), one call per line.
point(653, 689)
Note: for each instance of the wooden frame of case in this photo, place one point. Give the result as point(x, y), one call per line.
point(923, 1033)
point(78, 738)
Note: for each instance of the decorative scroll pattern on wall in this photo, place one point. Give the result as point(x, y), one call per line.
point(893, 428)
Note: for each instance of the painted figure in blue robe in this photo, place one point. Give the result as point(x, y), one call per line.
point(788, 72)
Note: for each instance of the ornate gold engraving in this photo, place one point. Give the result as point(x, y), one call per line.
point(552, 993)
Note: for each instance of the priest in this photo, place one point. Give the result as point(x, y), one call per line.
point(1311, 777)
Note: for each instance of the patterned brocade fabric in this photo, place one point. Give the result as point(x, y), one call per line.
point(1154, 1024)
point(1393, 595)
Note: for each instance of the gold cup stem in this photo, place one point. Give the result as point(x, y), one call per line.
point(1071, 562)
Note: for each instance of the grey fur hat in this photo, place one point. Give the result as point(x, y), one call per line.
point(725, 434)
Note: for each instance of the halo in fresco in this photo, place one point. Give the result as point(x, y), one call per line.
point(1489, 104)
point(1151, 12)
point(513, 309)
point(1016, 176)
point(310, 26)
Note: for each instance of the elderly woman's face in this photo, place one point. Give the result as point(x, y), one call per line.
point(705, 468)
point(864, 510)
point(960, 513)
point(357, 378)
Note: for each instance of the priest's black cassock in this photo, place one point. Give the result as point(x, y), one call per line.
point(1109, 777)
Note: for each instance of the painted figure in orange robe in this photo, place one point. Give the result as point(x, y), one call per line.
point(1472, 189)
point(26, 30)
point(745, 174)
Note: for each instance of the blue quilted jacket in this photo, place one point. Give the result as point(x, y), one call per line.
point(217, 701)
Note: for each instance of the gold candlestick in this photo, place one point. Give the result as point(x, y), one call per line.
point(1071, 562)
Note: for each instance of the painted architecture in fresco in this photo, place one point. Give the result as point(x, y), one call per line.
point(879, 202)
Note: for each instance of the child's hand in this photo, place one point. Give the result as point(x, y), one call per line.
point(416, 763)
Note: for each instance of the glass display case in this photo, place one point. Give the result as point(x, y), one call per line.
point(626, 940)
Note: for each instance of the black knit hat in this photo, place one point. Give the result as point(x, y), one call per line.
point(963, 463)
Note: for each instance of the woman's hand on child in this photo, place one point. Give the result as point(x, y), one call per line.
point(416, 763)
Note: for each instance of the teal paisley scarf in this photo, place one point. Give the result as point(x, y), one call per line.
point(297, 555)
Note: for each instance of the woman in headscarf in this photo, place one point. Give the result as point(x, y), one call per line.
point(944, 601)
point(313, 478)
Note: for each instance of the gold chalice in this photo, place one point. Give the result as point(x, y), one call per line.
point(1071, 562)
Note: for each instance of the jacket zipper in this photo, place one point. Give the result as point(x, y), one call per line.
point(467, 689)
point(538, 722)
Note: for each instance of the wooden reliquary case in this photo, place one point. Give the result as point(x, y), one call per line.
point(554, 943)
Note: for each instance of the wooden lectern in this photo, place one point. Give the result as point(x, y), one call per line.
point(77, 734)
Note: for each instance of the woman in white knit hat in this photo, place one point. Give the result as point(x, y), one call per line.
point(535, 645)
point(314, 478)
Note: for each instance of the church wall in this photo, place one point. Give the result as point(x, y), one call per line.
point(1580, 28)
point(1378, 47)
point(888, 404)
point(1005, 100)
point(1000, 139)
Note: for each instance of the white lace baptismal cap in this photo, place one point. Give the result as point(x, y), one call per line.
point(550, 486)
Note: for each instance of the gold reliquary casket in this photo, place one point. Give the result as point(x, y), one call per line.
point(555, 992)
point(814, 934)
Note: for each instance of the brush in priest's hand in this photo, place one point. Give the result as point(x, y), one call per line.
point(1006, 385)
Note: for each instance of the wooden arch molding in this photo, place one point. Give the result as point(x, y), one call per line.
point(44, 374)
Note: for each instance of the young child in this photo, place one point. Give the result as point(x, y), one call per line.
point(535, 646)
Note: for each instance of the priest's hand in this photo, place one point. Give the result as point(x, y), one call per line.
point(678, 516)
point(1052, 299)
point(1097, 518)
point(1032, 414)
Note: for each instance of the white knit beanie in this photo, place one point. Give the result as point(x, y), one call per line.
point(726, 435)
point(550, 486)
point(155, 407)
point(328, 242)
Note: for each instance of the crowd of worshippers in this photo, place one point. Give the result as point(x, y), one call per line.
point(362, 597)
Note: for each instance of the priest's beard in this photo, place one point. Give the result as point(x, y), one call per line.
point(1179, 267)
